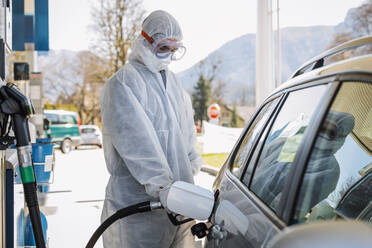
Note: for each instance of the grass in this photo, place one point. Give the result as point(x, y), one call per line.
point(215, 159)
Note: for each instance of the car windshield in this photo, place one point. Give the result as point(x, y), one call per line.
point(67, 119)
point(88, 130)
point(53, 118)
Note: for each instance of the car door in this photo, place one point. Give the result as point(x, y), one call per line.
point(337, 179)
point(258, 186)
point(55, 130)
point(69, 125)
point(228, 179)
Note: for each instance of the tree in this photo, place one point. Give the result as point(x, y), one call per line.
point(86, 95)
point(209, 68)
point(61, 75)
point(339, 39)
point(234, 118)
point(361, 25)
point(203, 93)
point(83, 88)
point(245, 97)
point(200, 99)
point(219, 91)
point(117, 24)
point(362, 19)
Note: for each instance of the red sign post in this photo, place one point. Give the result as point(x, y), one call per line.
point(214, 112)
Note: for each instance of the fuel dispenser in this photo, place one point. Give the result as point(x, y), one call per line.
point(15, 110)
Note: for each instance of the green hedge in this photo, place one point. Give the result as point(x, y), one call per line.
point(68, 107)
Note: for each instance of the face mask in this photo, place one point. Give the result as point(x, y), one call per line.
point(163, 63)
point(146, 55)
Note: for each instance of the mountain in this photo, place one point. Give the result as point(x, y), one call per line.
point(349, 22)
point(234, 62)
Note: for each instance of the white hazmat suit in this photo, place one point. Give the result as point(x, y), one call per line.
point(149, 141)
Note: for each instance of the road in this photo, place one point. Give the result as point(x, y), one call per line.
point(74, 202)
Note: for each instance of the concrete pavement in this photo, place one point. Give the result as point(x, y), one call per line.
point(74, 202)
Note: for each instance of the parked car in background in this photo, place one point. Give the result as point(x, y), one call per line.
point(305, 156)
point(91, 135)
point(64, 128)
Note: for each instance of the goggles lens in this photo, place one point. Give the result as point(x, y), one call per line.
point(170, 48)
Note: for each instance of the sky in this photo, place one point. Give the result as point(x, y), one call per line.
point(206, 24)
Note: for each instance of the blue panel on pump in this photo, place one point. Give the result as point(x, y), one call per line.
point(29, 29)
point(41, 25)
point(18, 22)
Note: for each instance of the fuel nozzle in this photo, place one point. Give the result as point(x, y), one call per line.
point(14, 102)
point(190, 200)
point(199, 230)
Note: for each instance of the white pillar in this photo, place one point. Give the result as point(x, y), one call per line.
point(265, 78)
point(278, 48)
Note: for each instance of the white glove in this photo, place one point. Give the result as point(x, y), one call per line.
point(163, 196)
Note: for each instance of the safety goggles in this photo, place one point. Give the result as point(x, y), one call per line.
point(167, 47)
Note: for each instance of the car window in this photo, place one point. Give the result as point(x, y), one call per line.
point(252, 133)
point(88, 130)
point(338, 178)
point(281, 144)
point(52, 118)
point(67, 119)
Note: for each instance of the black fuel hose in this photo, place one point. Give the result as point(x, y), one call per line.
point(121, 213)
point(20, 126)
point(34, 211)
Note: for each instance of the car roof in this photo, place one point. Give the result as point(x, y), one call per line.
point(352, 65)
point(317, 70)
point(318, 61)
point(59, 112)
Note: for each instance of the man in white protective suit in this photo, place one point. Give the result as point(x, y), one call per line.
point(148, 137)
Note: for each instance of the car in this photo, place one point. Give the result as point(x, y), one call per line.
point(63, 128)
point(305, 155)
point(345, 234)
point(91, 135)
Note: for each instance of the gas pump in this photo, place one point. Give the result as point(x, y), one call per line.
point(16, 109)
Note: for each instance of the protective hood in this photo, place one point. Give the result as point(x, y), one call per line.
point(159, 25)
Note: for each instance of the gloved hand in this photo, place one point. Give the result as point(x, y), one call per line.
point(163, 196)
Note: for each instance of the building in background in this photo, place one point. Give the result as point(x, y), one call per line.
point(243, 114)
point(31, 20)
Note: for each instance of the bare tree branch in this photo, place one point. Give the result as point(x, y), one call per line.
point(116, 24)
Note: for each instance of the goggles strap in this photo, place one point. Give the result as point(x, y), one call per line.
point(147, 37)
